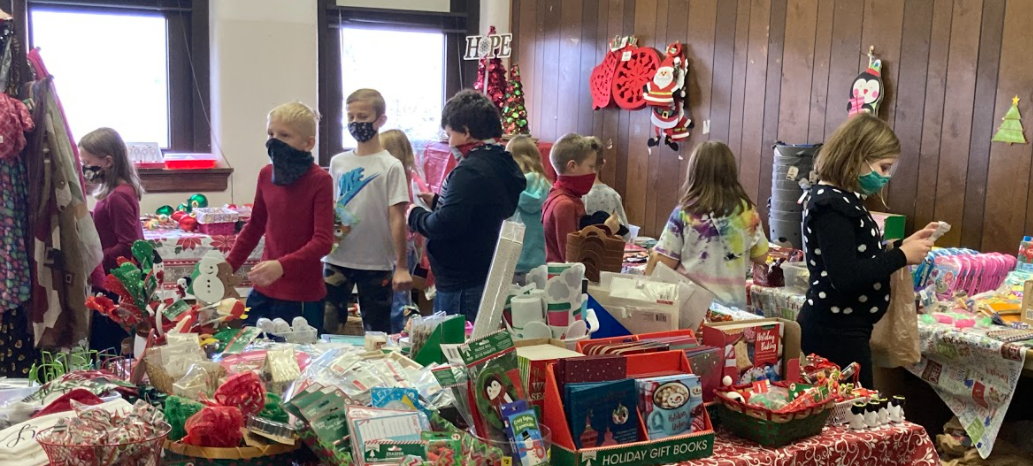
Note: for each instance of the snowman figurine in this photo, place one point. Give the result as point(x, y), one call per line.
point(871, 415)
point(857, 415)
point(206, 285)
point(897, 409)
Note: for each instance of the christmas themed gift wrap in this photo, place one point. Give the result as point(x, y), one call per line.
point(496, 289)
point(210, 215)
point(561, 284)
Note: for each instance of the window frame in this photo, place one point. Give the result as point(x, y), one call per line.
point(188, 53)
point(455, 25)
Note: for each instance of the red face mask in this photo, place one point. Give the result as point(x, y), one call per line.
point(460, 151)
point(578, 185)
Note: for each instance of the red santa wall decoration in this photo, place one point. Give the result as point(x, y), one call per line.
point(666, 97)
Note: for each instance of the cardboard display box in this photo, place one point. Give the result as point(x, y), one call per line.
point(791, 352)
point(533, 357)
point(691, 446)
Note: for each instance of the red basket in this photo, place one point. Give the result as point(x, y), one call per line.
point(218, 229)
point(143, 453)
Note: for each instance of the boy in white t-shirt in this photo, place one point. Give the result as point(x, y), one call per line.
point(371, 199)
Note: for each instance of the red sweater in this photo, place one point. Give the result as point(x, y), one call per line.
point(560, 215)
point(298, 223)
point(117, 218)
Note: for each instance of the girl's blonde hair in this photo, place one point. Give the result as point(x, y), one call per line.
point(298, 116)
point(397, 143)
point(525, 153)
point(106, 142)
point(712, 182)
point(863, 139)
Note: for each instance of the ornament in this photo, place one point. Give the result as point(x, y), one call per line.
point(188, 223)
point(178, 215)
point(867, 91)
point(601, 80)
point(164, 210)
point(184, 207)
point(197, 200)
point(1010, 130)
point(631, 76)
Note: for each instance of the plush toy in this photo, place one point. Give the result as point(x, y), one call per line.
point(866, 93)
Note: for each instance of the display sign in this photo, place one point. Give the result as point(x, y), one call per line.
point(490, 46)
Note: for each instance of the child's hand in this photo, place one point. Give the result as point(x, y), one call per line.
point(266, 273)
point(613, 223)
point(402, 281)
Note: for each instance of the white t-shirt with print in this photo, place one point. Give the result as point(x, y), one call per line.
point(365, 187)
point(715, 252)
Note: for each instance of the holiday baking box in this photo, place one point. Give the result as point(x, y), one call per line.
point(691, 446)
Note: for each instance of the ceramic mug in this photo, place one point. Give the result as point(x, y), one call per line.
point(672, 412)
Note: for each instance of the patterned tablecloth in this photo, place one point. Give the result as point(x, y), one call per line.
point(180, 251)
point(906, 444)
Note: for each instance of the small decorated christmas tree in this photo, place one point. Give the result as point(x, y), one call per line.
point(1010, 130)
point(514, 114)
point(491, 77)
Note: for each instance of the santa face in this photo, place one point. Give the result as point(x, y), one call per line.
point(664, 77)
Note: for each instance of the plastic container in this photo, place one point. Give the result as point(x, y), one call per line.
point(633, 233)
point(188, 161)
point(486, 452)
point(796, 275)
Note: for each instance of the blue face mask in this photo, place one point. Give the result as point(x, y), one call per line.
point(872, 182)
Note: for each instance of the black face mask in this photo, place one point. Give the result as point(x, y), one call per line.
point(289, 164)
point(362, 131)
point(93, 173)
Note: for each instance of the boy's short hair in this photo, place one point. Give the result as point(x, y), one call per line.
point(474, 111)
point(298, 116)
point(373, 96)
point(573, 147)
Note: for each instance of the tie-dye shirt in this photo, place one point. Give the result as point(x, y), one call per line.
point(715, 252)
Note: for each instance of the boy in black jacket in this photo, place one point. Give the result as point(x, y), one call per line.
point(481, 192)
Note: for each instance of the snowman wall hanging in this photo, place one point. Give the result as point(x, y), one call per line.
point(866, 92)
point(666, 97)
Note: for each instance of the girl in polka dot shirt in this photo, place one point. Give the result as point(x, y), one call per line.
point(849, 266)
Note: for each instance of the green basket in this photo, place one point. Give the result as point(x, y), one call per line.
point(768, 433)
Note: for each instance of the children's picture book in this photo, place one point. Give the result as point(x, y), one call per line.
point(751, 351)
point(668, 404)
point(602, 413)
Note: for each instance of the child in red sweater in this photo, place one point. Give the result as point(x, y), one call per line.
point(574, 158)
point(294, 210)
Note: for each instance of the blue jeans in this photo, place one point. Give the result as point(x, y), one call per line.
point(465, 301)
point(272, 308)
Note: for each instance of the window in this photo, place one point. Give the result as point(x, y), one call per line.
point(407, 67)
point(138, 66)
point(414, 58)
point(103, 79)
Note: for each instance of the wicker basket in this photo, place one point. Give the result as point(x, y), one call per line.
point(768, 428)
point(841, 413)
point(143, 453)
point(156, 372)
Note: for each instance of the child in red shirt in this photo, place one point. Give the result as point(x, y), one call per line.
point(574, 158)
point(294, 210)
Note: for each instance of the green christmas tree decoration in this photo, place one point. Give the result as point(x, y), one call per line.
point(1010, 130)
point(514, 113)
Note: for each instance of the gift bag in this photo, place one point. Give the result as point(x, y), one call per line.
point(894, 339)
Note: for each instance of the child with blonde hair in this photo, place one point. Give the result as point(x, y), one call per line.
point(293, 209)
point(529, 208)
point(370, 188)
point(397, 144)
point(714, 234)
point(574, 158)
point(107, 168)
point(847, 261)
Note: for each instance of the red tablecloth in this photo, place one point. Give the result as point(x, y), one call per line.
point(906, 444)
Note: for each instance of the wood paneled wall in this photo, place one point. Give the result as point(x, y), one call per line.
point(767, 70)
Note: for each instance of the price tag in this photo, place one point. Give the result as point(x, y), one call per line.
point(626, 56)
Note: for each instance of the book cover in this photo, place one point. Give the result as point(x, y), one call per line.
point(669, 404)
point(750, 351)
point(602, 413)
point(590, 369)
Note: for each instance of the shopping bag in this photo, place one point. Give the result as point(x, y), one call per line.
point(894, 340)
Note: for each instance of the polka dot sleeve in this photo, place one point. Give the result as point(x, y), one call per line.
point(848, 271)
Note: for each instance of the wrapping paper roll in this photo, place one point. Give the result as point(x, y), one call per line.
point(500, 276)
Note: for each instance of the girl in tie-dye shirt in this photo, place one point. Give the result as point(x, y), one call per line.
point(715, 233)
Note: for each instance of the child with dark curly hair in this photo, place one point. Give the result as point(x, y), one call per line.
point(482, 191)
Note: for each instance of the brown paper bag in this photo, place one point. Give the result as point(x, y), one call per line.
point(894, 339)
